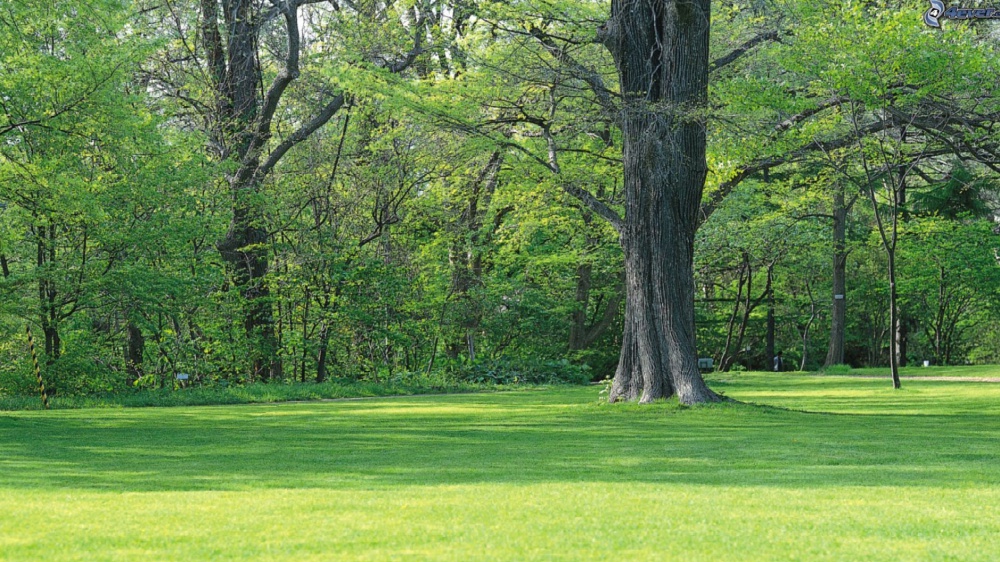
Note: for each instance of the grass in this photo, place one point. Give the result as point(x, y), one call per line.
point(256, 393)
point(821, 468)
point(983, 371)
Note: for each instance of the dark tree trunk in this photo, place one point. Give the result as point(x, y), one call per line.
point(324, 342)
point(578, 328)
point(135, 347)
point(807, 327)
point(838, 311)
point(47, 293)
point(245, 251)
point(902, 325)
point(467, 256)
point(581, 335)
point(241, 131)
point(893, 313)
point(660, 48)
point(902, 338)
point(769, 351)
point(236, 75)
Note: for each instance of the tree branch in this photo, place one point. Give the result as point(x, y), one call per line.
point(285, 77)
point(595, 205)
point(738, 52)
point(798, 118)
point(588, 76)
point(300, 135)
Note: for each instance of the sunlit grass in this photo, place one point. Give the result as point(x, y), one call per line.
point(980, 371)
point(828, 468)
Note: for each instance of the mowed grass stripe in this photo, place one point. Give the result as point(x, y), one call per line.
point(830, 469)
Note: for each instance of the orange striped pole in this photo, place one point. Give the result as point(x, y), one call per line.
point(38, 372)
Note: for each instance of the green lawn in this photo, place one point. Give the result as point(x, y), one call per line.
point(983, 371)
point(833, 468)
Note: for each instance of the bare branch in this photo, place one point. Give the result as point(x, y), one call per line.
point(285, 77)
point(300, 135)
point(726, 187)
point(588, 76)
point(738, 52)
point(596, 205)
point(798, 118)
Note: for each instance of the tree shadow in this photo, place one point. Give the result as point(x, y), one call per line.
point(515, 438)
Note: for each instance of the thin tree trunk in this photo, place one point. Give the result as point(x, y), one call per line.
point(743, 280)
point(838, 307)
point(808, 326)
point(902, 338)
point(578, 326)
point(769, 351)
point(893, 313)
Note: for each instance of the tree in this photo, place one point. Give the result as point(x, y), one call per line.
point(241, 44)
point(950, 277)
point(660, 49)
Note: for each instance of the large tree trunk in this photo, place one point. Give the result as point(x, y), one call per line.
point(660, 49)
point(236, 75)
point(838, 310)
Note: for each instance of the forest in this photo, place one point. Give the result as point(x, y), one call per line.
point(303, 190)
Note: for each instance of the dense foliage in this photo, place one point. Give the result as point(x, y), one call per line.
point(415, 195)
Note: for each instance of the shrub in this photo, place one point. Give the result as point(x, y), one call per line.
point(837, 369)
point(506, 371)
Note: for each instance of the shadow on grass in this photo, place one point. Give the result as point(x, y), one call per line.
point(520, 438)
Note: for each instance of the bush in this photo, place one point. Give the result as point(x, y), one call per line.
point(17, 380)
point(506, 371)
point(837, 370)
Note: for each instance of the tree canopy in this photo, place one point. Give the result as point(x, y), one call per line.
point(246, 190)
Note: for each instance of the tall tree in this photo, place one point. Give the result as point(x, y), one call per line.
point(660, 49)
point(231, 33)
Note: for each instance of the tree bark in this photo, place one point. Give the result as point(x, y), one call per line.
point(660, 48)
point(807, 327)
point(324, 343)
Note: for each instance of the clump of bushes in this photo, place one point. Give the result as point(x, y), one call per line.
point(505, 371)
point(837, 370)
